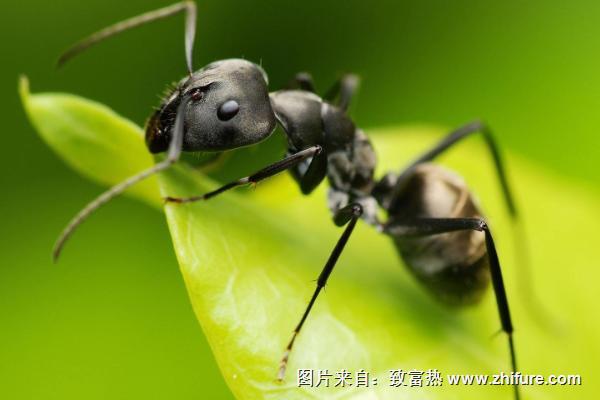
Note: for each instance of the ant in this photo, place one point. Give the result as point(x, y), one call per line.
point(432, 217)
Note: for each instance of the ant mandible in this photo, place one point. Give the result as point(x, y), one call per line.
point(432, 217)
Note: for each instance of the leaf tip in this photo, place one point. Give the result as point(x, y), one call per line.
point(23, 86)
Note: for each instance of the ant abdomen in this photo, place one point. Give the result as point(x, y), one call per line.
point(452, 265)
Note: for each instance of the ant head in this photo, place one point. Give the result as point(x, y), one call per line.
point(229, 107)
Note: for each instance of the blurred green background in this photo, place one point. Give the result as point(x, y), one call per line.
point(112, 320)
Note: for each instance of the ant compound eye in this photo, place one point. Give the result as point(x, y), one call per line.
point(197, 94)
point(228, 110)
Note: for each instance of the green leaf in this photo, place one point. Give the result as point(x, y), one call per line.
point(91, 138)
point(249, 260)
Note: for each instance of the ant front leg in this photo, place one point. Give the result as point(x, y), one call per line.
point(258, 176)
point(434, 226)
point(346, 215)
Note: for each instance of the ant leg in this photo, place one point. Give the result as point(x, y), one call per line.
point(310, 173)
point(173, 154)
point(536, 307)
point(450, 140)
point(433, 226)
point(190, 30)
point(346, 215)
point(304, 81)
point(258, 176)
point(343, 89)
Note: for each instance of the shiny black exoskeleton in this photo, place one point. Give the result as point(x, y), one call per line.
point(429, 213)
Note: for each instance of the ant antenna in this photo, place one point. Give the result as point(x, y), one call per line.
point(176, 143)
point(190, 31)
point(172, 156)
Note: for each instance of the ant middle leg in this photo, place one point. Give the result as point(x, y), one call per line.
point(348, 216)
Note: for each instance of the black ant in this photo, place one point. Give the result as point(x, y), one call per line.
point(432, 217)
